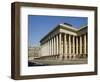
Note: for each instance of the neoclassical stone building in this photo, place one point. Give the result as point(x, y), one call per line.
point(64, 42)
point(34, 52)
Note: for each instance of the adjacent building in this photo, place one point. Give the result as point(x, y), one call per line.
point(34, 52)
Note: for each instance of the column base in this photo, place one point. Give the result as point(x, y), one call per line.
point(83, 55)
point(61, 57)
point(70, 56)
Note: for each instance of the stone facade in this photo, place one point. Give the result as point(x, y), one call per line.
point(64, 42)
point(34, 52)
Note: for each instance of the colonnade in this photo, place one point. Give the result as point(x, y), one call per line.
point(66, 46)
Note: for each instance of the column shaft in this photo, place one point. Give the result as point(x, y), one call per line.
point(54, 46)
point(60, 44)
point(77, 45)
point(69, 44)
point(57, 44)
point(65, 45)
point(80, 44)
point(74, 45)
point(50, 46)
point(85, 44)
point(60, 49)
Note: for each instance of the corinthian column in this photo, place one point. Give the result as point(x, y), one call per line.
point(70, 44)
point(50, 46)
point(80, 44)
point(77, 45)
point(60, 55)
point(85, 44)
point(74, 46)
point(54, 46)
point(57, 44)
point(65, 45)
